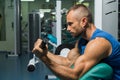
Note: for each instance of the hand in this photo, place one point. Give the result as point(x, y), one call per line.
point(39, 50)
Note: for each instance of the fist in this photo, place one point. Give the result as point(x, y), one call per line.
point(40, 48)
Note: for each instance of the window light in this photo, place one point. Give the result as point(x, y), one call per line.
point(27, 0)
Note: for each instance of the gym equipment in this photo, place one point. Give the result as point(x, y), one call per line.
point(101, 71)
point(63, 49)
point(35, 60)
point(34, 31)
point(51, 77)
point(31, 65)
point(49, 38)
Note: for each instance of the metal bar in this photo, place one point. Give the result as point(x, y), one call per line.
point(17, 29)
point(58, 22)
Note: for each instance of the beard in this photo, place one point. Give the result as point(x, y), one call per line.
point(79, 35)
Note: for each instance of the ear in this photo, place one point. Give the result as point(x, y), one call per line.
point(84, 21)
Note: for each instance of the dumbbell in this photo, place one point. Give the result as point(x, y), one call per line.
point(34, 60)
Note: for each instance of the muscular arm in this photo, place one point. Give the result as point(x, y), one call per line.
point(65, 61)
point(95, 51)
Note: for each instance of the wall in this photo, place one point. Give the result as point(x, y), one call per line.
point(110, 17)
point(107, 22)
point(8, 45)
point(26, 7)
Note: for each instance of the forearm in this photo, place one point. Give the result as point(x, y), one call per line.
point(61, 71)
point(65, 61)
point(58, 59)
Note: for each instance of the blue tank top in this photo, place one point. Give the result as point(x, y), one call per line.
point(114, 59)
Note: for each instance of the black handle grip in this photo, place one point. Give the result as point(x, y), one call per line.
point(43, 45)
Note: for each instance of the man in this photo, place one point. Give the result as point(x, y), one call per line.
point(93, 47)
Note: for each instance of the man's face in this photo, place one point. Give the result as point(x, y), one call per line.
point(73, 24)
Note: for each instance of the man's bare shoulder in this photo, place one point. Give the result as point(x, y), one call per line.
point(99, 46)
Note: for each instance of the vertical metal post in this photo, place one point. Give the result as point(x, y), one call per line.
point(98, 13)
point(17, 29)
point(58, 21)
point(34, 29)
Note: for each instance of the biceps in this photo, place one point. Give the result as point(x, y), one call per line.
point(73, 55)
point(82, 65)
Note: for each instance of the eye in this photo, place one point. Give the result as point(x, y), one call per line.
point(69, 23)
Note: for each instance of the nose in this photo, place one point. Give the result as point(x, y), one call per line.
point(68, 28)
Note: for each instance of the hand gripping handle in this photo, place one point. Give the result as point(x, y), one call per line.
point(43, 44)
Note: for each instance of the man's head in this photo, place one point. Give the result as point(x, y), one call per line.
point(78, 18)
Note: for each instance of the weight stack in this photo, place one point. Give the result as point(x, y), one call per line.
point(34, 29)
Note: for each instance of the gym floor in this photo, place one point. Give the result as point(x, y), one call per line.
point(15, 68)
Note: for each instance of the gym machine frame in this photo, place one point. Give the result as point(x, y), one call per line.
point(35, 60)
